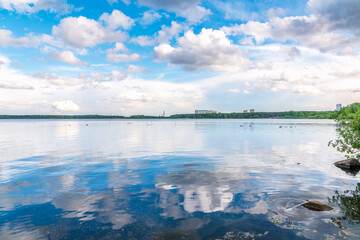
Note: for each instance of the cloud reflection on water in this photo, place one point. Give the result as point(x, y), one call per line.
point(185, 176)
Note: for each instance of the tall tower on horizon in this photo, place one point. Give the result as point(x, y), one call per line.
point(338, 107)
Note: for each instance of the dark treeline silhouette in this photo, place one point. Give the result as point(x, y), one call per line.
point(281, 115)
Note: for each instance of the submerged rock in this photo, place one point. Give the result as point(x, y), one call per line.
point(351, 166)
point(316, 206)
point(348, 164)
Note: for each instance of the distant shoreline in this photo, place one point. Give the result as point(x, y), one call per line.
point(256, 115)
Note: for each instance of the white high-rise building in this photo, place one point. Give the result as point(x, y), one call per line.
point(338, 107)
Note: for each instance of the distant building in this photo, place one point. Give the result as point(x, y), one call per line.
point(338, 107)
point(245, 111)
point(205, 111)
point(252, 110)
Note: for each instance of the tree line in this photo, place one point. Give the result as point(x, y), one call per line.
point(346, 112)
point(282, 115)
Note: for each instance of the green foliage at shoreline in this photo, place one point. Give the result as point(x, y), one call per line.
point(350, 112)
point(280, 115)
point(348, 141)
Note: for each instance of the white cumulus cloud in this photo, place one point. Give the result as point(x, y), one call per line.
point(149, 17)
point(117, 20)
point(32, 6)
point(81, 32)
point(104, 77)
point(16, 86)
point(117, 76)
point(136, 69)
point(332, 26)
point(168, 33)
point(54, 79)
point(6, 39)
point(122, 57)
point(189, 9)
point(143, 40)
point(210, 49)
point(307, 90)
point(164, 35)
point(67, 57)
point(66, 106)
point(119, 47)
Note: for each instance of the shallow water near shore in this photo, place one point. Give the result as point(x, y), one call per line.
point(173, 179)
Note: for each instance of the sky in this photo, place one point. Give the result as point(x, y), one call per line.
point(127, 57)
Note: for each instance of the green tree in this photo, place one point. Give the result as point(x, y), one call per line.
point(349, 203)
point(348, 141)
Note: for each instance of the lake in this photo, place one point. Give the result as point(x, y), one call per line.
point(173, 179)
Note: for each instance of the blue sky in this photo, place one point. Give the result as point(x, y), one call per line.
point(148, 56)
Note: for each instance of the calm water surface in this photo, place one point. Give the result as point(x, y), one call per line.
point(183, 179)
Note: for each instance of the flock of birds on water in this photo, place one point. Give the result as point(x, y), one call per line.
point(250, 125)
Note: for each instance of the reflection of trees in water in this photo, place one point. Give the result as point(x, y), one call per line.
point(349, 203)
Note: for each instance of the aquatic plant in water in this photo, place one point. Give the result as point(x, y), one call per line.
point(349, 204)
